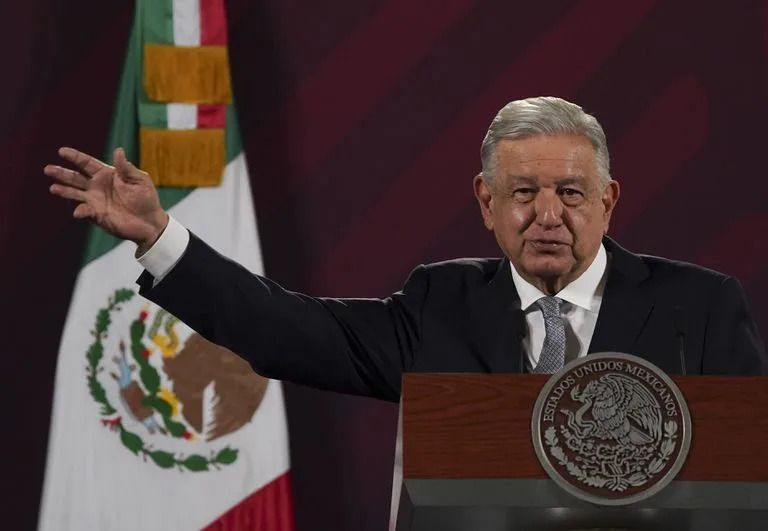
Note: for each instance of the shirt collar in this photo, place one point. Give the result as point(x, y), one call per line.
point(585, 292)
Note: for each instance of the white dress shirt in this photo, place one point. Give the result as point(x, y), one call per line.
point(581, 304)
point(166, 251)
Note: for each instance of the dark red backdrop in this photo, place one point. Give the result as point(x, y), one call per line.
point(362, 122)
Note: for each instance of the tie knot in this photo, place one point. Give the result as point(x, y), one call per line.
point(550, 306)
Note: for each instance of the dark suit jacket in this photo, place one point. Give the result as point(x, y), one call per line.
point(455, 316)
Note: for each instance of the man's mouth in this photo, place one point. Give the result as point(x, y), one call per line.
point(546, 245)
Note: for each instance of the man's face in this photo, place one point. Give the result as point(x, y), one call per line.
point(546, 207)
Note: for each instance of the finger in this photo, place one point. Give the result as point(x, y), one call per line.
point(83, 210)
point(125, 170)
point(68, 192)
point(88, 164)
point(67, 176)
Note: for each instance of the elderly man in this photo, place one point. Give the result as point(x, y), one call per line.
point(563, 290)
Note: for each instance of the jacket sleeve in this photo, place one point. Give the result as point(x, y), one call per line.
point(732, 342)
point(355, 346)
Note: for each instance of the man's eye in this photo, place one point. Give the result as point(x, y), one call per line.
point(571, 196)
point(524, 194)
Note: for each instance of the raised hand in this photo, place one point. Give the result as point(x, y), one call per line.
point(121, 199)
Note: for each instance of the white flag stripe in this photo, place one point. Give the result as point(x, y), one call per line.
point(182, 115)
point(92, 480)
point(186, 22)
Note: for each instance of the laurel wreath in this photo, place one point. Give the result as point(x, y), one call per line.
point(637, 479)
point(150, 379)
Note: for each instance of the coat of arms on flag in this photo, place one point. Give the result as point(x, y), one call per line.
point(169, 393)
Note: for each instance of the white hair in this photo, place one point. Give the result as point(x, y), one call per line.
point(544, 115)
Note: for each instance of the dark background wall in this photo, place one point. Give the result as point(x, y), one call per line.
point(362, 122)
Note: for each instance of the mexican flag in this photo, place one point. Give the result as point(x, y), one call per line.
point(153, 427)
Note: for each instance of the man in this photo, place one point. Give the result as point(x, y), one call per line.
point(564, 288)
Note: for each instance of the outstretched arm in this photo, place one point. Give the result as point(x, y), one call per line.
point(356, 346)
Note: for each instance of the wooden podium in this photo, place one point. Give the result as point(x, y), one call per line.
point(468, 461)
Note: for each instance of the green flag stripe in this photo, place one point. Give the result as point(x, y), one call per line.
point(152, 113)
point(124, 133)
point(232, 138)
point(157, 19)
point(157, 27)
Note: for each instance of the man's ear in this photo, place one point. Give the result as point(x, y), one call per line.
point(484, 198)
point(610, 198)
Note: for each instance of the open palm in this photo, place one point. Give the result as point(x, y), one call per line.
point(121, 199)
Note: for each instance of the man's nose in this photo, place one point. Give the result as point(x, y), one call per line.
point(549, 209)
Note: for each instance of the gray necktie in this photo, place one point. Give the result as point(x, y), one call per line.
point(553, 353)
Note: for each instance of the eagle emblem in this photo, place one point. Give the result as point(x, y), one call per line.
point(621, 409)
point(610, 427)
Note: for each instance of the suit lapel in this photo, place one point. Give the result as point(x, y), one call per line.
point(496, 342)
point(625, 307)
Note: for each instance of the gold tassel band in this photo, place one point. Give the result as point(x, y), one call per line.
point(183, 158)
point(186, 74)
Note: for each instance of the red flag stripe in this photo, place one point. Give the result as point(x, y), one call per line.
point(213, 23)
point(268, 509)
point(211, 115)
point(213, 31)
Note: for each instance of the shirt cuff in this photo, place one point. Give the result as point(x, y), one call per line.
point(167, 250)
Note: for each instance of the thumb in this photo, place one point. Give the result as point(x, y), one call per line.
point(125, 170)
